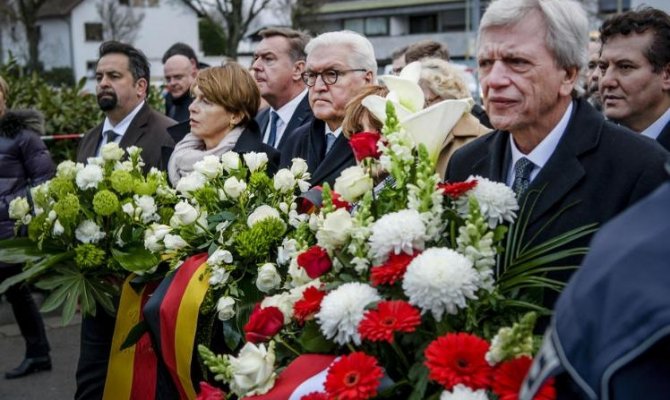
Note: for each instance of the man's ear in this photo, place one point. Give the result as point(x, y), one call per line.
point(569, 80)
point(298, 69)
point(665, 78)
point(369, 77)
point(142, 86)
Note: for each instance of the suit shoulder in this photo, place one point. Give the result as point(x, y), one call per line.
point(633, 146)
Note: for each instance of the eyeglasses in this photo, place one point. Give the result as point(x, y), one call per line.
point(329, 76)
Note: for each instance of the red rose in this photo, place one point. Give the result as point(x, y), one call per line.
point(208, 392)
point(364, 145)
point(309, 305)
point(509, 376)
point(263, 324)
point(315, 261)
point(456, 189)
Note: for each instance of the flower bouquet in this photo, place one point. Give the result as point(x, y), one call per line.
point(85, 229)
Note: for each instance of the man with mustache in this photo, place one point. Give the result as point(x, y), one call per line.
point(635, 68)
point(123, 77)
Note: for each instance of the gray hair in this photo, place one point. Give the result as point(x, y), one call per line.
point(566, 23)
point(443, 79)
point(362, 54)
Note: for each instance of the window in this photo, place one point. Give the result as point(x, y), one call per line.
point(423, 24)
point(124, 2)
point(355, 24)
point(93, 32)
point(373, 26)
point(143, 3)
point(610, 6)
point(453, 20)
point(90, 69)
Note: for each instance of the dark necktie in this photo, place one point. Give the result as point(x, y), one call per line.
point(110, 135)
point(272, 137)
point(330, 139)
point(522, 169)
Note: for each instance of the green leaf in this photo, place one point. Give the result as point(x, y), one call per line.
point(312, 341)
point(135, 334)
point(419, 375)
point(19, 250)
point(136, 258)
point(231, 335)
point(31, 271)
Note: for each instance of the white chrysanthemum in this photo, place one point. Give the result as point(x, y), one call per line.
point(342, 310)
point(111, 152)
point(439, 280)
point(255, 161)
point(89, 177)
point(67, 169)
point(88, 232)
point(497, 201)
point(462, 392)
point(402, 231)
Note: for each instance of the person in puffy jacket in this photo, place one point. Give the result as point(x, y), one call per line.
point(24, 162)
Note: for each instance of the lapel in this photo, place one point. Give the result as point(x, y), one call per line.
point(338, 156)
point(262, 119)
point(90, 144)
point(493, 164)
point(249, 140)
point(664, 137)
point(137, 128)
point(299, 117)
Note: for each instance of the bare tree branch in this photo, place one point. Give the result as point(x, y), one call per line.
point(119, 22)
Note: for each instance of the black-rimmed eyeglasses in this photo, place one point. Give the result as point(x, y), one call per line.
point(329, 76)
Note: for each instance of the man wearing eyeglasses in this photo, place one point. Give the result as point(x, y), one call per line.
point(279, 61)
point(338, 65)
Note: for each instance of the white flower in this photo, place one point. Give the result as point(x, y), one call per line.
point(89, 177)
point(129, 209)
point(218, 276)
point(226, 308)
point(51, 217)
point(88, 232)
point(253, 370)
point(184, 214)
point(234, 187)
point(402, 231)
point(191, 182)
point(111, 152)
point(342, 310)
point(230, 161)
point(255, 161)
point(496, 200)
point(134, 151)
point(148, 209)
point(462, 392)
point(19, 208)
point(335, 229)
point(439, 280)
point(219, 258)
point(284, 302)
point(58, 228)
point(153, 237)
point(260, 213)
point(284, 181)
point(95, 161)
point(174, 242)
point(297, 273)
point(298, 167)
point(67, 169)
point(287, 250)
point(352, 183)
point(268, 278)
point(209, 166)
point(303, 185)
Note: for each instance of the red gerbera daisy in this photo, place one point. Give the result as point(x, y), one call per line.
point(459, 358)
point(315, 396)
point(456, 189)
point(508, 377)
point(388, 318)
point(353, 377)
point(391, 271)
point(309, 305)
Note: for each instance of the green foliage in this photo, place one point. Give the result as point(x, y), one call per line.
point(212, 38)
point(256, 242)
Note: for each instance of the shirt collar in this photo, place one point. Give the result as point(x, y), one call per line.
point(121, 128)
point(655, 129)
point(335, 133)
point(287, 110)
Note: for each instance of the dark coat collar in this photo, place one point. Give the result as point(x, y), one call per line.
point(14, 121)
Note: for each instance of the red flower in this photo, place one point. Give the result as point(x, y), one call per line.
point(353, 377)
point(315, 396)
point(508, 377)
point(388, 318)
point(338, 201)
point(208, 392)
point(456, 189)
point(393, 270)
point(459, 358)
point(263, 324)
point(309, 305)
point(364, 145)
point(315, 261)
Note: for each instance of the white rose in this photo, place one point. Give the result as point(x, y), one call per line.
point(88, 232)
point(209, 166)
point(284, 180)
point(67, 169)
point(218, 276)
point(184, 214)
point(226, 308)
point(89, 177)
point(58, 228)
point(298, 167)
point(352, 183)
point(268, 278)
point(191, 182)
point(335, 229)
point(174, 242)
point(230, 161)
point(148, 208)
point(220, 257)
point(19, 208)
point(160, 230)
point(234, 187)
point(111, 152)
point(253, 370)
point(255, 161)
point(261, 213)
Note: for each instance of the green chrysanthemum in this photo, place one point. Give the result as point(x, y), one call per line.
point(67, 208)
point(206, 196)
point(60, 187)
point(88, 256)
point(165, 213)
point(256, 242)
point(105, 203)
point(145, 188)
point(122, 181)
point(36, 227)
point(260, 180)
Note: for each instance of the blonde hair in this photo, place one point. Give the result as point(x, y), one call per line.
point(355, 112)
point(4, 87)
point(443, 79)
point(232, 87)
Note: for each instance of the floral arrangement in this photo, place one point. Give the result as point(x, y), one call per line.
point(85, 229)
point(407, 280)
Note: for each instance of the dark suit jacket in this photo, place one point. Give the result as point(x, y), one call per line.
point(310, 145)
point(148, 131)
point(597, 170)
point(301, 116)
point(664, 137)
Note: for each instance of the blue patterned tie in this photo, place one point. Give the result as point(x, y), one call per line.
point(272, 137)
point(330, 139)
point(522, 170)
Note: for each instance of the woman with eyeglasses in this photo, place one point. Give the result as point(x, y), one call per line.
point(441, 81)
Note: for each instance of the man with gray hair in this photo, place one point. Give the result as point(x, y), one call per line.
point(550, 145)
point(338, 65)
